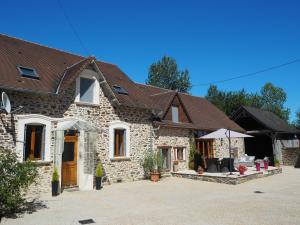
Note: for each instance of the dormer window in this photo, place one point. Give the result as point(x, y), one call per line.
point(28, 72)
point(175, 116)
point(120, 90)
point(87, 88)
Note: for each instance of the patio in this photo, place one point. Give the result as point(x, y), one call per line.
point(226, 178)
point(269, 200)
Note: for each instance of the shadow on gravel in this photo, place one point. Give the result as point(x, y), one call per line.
point(28, 207)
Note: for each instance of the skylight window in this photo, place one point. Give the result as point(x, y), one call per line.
point(120, 90)
point(28, 72)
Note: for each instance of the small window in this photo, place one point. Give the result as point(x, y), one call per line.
point(175, 117)
point(119, 143)
point(34, 142)
point(87, 90)
point(120, 90)
point(180, 154)
point(28, 72)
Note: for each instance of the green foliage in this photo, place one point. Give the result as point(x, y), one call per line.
point(55, 176)
point(192, 155)
point(165, 74)
point(270, 98)
point(152, 162)
point(276, 161)
point(99, 170)
point(15, 178)
point(297, 121)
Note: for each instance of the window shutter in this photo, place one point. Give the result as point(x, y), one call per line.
point(24, 143)
point(125, 149)
point(43, 142)
point(184, 153)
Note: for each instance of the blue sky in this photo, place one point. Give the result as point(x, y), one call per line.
point(212, 39)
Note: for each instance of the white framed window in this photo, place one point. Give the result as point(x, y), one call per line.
point(34, 137)
point(180, 154)
point(87, 87)
point(175, 116)
point(119, 140)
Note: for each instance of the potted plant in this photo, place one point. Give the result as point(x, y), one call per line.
point(277, 163)
point(175, 166)
point(151, 165)
point(242, 169)
point(98, 175)
point(257, 164)
point(266, 163)
point(55, 182)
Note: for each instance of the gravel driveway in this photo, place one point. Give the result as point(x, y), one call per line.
point(176, 201)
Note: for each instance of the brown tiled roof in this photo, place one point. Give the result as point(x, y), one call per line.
point(203, 114)
point(58, 69)
point(55, 68)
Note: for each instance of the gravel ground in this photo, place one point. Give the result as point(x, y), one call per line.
point(176, 201)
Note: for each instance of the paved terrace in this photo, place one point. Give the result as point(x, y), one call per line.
point(177, 201)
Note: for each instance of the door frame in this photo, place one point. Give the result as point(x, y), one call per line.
point(76, 156)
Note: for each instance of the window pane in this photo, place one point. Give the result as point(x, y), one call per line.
point(119, 143)
point(33, 142)
point(179, 153)
point(87, 90)
point(165, 158)
point(175, 114)
point(68, 154)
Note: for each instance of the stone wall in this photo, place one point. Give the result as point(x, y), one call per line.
point(174, 137)
point(221, 147)
point(43, 182)
point(101, 115)
point(290, 156)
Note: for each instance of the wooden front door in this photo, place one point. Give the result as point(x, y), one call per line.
point(69, 161)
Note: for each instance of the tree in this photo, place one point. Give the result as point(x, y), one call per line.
point(165, 74)
point(297, 121)
point(271, 98)
point(15, 178)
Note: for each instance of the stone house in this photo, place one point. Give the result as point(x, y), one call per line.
point(71, 112)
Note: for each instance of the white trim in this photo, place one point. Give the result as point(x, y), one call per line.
point(118, 125)
point(33, 119)
point(89, 74)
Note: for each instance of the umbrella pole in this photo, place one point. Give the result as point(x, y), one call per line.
point(230, 169)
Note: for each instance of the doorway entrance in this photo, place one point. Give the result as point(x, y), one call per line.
point(69, 159)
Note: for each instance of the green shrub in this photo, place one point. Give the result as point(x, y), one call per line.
point(99, 170)
point(152, 162)
point(192, 155)
point(55, 176)
point(15, 178)
point(276, 162)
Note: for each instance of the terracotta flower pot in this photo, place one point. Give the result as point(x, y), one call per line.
point(242, 172)
point(154, 176)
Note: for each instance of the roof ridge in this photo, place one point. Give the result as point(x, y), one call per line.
point(149, 85)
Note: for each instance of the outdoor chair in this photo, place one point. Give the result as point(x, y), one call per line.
point(212, 165)
point(225, 165)
point(247, 160)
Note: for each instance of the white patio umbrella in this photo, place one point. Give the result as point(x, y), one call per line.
point(225, 133)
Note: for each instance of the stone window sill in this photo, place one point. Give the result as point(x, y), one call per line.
point(117, 159)
point(87, 104)
point(42, 163)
